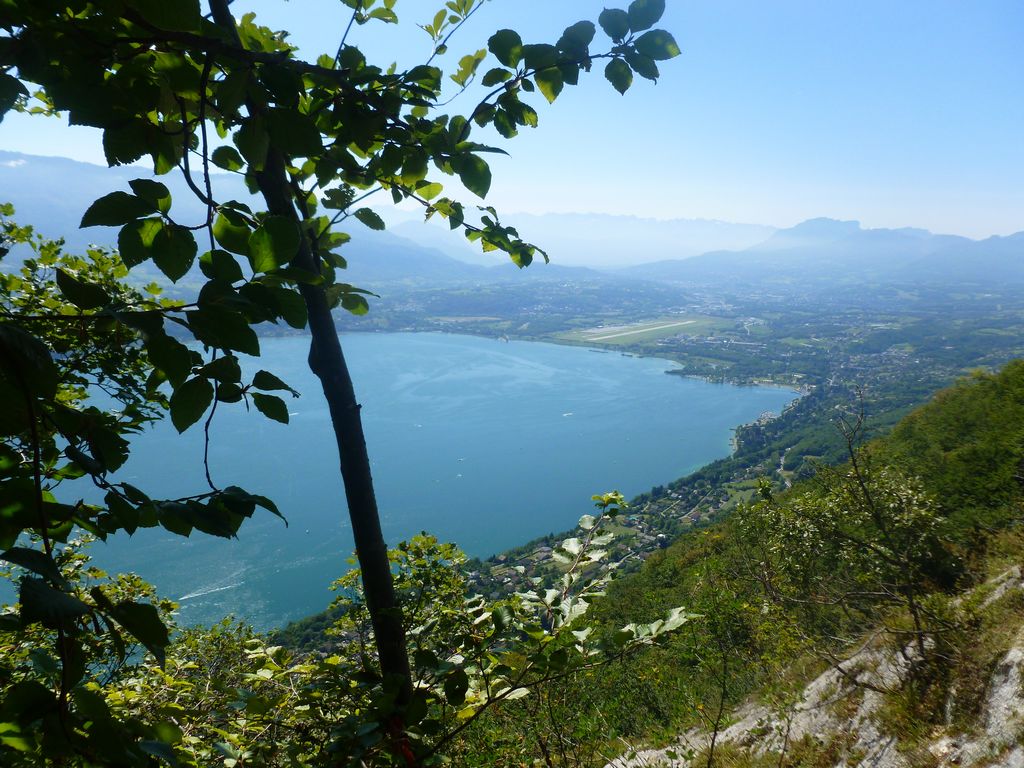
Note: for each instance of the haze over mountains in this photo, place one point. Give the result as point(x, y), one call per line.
point(843, 251)
point(599, 241)
point(52, 193)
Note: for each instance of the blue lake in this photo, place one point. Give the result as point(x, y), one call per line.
point(478, 441)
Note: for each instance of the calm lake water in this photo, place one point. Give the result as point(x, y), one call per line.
point(481, 442)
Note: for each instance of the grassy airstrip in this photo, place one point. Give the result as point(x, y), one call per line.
point(649, 330)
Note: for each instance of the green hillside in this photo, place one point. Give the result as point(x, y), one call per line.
point(770, 622)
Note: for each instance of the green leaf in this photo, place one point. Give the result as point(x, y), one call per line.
point(170, 356)
point(190, 401)
point(174, 251)
point(284, 85)
point(27, 357)
point(573, 546)
point(227, 158)
point(135, 240)
point(235, 495)
point(180, 16)
point(502, 616)
point(540, 56)
point(223, 328)
point(642, 65)
point(115, 210)
point(220, 265)
point(491, 78)
point(50, 607)
point(269, 382)
point(253, 141)
point(231, 230)
point(229, 393)
point(474, 173)
point(152, 192)
point(644, 14)
point(657, 44)
point(676, 618)
point(142, 621)
point(615, 23)
point(383, 14)
point(369, 217)
point(11, 89)
point(619, 75)
point(173, 517)
point(428, 190)
point(28, 701)
point(161, 750)
point(414, 167)
point(507, 46)
point(550, 82)
point(10, 733)
point(293, 133)
point(224, 369)
point(35, 561)
point(271, 406)
point(124, 513)
point(124, 143)
point(576, 39)
point(82, 295)
point(291, 306)
point(340, 198)
point(455, 686)
point(274, 243)
point(355, 303)
point(504, 124)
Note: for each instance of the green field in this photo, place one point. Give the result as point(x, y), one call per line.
point(649, 330)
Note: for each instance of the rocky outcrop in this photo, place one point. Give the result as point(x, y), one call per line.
point(844, 707)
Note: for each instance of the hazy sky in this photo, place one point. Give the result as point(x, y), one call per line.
point(894, 113)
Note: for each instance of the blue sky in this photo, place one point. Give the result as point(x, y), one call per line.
point(905, 113)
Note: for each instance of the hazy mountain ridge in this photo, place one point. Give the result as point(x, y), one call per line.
point(51, 193)
point(843, 251)
point(610, 241)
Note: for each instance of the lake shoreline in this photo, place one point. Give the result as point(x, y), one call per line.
point(527, 551)
point(799, 389)
point(485, 443)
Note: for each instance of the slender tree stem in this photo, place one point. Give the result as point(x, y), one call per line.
point(327, 362)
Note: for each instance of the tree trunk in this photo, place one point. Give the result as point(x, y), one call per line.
point(327, 361)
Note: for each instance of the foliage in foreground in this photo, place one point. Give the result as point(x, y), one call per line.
point(223, 695)
point(192, 88)
point(90, 673)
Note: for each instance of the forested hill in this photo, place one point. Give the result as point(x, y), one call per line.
point(809, 589)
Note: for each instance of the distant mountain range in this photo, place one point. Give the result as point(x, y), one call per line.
point(52, 193)
point(844, 252)
point(601, 241)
